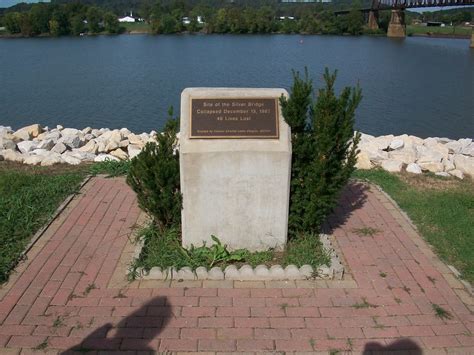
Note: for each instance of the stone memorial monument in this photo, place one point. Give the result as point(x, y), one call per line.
point(235, 161)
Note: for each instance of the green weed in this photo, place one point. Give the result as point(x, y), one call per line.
point(366, 231)
point(89, 288)
point(363, 304)
point(58, 322)
point(440, 312)
point(42, 346)
point(164, 250)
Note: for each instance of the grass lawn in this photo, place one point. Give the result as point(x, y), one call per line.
point(441, 208)
point(28, 198)
point(141, 27)
point(448, 30)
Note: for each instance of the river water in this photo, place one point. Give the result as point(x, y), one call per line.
point(419, 86)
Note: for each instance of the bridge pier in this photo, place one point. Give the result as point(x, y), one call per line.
point(372, 23)
point(396, 27)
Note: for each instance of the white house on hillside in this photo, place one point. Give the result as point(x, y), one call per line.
point(127, 18)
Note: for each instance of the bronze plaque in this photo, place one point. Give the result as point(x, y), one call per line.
point(234, 118)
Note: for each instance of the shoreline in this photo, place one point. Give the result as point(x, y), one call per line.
point(140, 32)
point(37, 145)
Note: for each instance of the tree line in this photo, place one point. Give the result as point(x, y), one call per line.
point(59, 20)
point(61, 17)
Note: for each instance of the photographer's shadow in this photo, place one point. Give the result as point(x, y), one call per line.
point(151, 318)
point(399, 346)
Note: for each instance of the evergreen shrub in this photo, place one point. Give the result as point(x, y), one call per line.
point(324, 148)
point(154, 176)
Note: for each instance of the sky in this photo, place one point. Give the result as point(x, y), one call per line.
point(8, 3)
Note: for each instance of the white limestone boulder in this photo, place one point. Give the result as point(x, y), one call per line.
point(397, 143)
point(112, 145)
point(457, 173)
point(375, 154)
point(454, 147)
point(70, 159)
point(125, 132)
point(431, 166)
point(86, 130)
point(51, 159)
point(448, 164)
point(6, 143)
point(96, 133)
point(468, 150)
point(33, 160)
point(406, 155)
point(428, 155)
point(28, 132)
point(26, 146)
point(12, 155)
point(363, 161)
point(59, 148)
point(383, 142)
point(119, 153)
point(413, 168)
point(71, 141)
point(105, 157)
point(133, 151)
point(4, 130)
point(47, 144)
point(464, 163)
point(54, 136)
point(136, 140)
point(90, 147)
point(70, 132)
point(393, 166)
point(41, 152)
point(83, 156)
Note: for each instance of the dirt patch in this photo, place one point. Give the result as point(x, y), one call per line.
point(46, 170)
point(433, 182)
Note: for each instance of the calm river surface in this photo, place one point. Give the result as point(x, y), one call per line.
point(418, 86)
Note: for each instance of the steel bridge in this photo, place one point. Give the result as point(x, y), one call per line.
point(378, 5)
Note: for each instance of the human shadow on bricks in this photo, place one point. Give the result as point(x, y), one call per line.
point(138, 331)
point(352, 197)
point(399, 346)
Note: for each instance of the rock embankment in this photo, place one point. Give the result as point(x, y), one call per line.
point(35, 145)
point(442, 156)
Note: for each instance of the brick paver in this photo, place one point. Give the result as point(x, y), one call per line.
point(71, 294)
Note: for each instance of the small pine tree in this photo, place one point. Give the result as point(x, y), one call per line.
point(324, 149)
point(154, 176)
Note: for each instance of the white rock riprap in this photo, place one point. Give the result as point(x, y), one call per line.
point(37, 145)
point(442, 156)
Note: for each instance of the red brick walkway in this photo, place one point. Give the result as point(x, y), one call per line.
point(61, 298)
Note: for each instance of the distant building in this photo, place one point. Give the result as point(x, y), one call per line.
point(187, 20)
point(127, 18)
point(282, 18)
point(435, 24)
